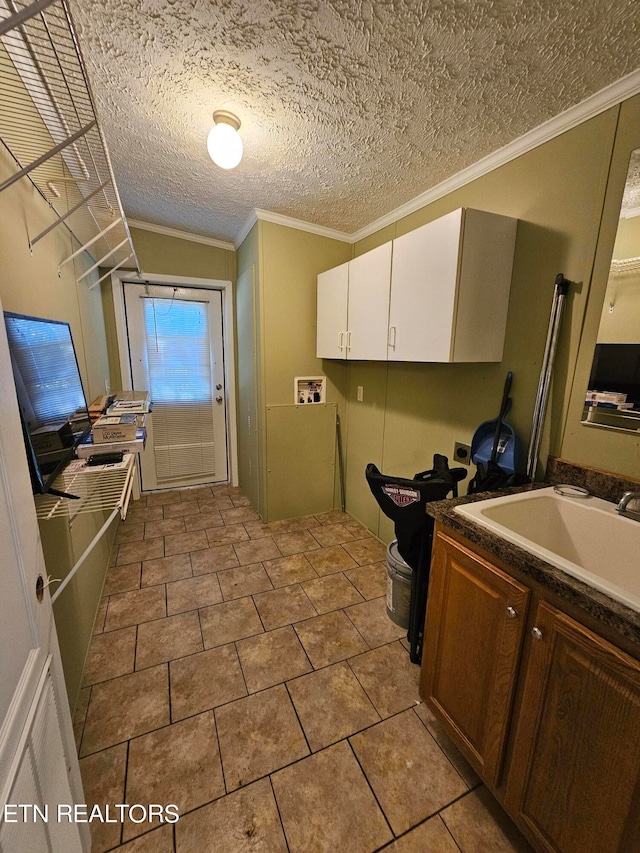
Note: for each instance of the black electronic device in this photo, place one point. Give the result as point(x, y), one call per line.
point(106, 458)
point(53, 407)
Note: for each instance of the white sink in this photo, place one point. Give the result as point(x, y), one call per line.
point(584, 537)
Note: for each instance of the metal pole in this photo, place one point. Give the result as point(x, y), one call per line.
point(544, 382)
point(23, 15)
point(67, 214)
point(89, 243)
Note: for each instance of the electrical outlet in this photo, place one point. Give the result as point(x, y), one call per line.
point(462, 453)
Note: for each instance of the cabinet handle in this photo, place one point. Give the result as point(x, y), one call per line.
point(512, 613)
point(349, 339)
point(536, 633)
point(340, 340)
point(391, 340)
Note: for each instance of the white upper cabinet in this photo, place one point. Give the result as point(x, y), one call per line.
point(333, 288)
point(353, 307)
point(450, 284)
point(437, 294)
point(368, 315)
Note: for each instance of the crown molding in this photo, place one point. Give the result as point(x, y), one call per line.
point(243, 233)
point(181, 235)
point(611, 96)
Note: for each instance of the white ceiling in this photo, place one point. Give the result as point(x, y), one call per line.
point(349, 108)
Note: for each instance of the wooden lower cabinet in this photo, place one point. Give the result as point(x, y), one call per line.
point(564, 757)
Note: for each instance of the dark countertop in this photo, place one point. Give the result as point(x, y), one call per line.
point(598, 605)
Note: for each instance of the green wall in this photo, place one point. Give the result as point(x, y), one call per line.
point(163, 255)
point(30, 285)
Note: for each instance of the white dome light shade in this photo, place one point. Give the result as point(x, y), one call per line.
point(224, 143)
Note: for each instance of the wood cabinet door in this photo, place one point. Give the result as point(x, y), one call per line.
point(474, 631)
point(368, 316)
point(574, 780)
point(424, 276)
point(333, 287)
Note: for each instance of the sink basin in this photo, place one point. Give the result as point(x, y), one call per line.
point(585, 537)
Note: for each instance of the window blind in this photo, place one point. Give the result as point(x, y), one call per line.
point(177, 338)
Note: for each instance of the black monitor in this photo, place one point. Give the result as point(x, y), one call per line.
point(616, 367)
point(53, 407)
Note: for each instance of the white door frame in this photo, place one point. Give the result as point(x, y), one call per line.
point(226, 287)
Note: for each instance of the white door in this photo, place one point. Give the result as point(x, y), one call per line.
point(38, 763)
point(333, 288)
point(176, 347)
point(368, 321)
point(423, 291)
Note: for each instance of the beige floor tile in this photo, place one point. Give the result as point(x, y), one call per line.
point(204, 681)
point(226, 535)
point(373, 623)
point(213, 559)
point(256, 550)
point(357, 530)
point(179, 764)
point(131, 608)
point(130, 532)
point(327, 806)
point(246, 821)
point(331, 592)
point(332, 534)
point(239, 514)
point(272, 658)
point(329, 639)
point(192, 593)
point(245, 580)
point(370, 581)
point(101, 615)
point(167, 639)
point(334, 517)
point(103, 776)
point(80, 715)
point(258, 529)
point(367, 551)
point(478, 824)
point(410, 775)
point(288, 570)
point(297, 542)
point(283, 606)
point(388, 677)
point(166, 527)
point(182, 509)
point(326, 561)
point(110, 655)
point(437, 732)
point(182, 543)
point(233, 620)
point(165, 569)
point(122, 578)
point(331, 705)
point(156, 841)
point(240, 500)
point(430, 837)
point(161, 498)
point(134, 552)
point(258, 734)
point(197, 493)
point(213, 503)
point(139, 512)
point(202, 520)
point(126, 707)
point(290, 525)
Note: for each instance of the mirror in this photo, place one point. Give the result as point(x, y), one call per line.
point(613, 397)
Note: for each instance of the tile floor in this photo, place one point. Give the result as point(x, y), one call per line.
point(248, 673)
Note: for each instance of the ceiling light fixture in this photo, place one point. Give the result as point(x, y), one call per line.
point(223, 143)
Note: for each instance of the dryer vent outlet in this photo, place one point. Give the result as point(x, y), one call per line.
point(462, 453)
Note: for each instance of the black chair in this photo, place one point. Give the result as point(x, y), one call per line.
point(404, 501)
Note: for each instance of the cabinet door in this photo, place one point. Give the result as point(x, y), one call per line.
point(424, 276)
point(333, 288)
point(575, 774)
point(368, 316)
point(474, 631)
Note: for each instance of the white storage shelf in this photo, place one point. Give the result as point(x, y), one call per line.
point(99, 488)
point(437, 294)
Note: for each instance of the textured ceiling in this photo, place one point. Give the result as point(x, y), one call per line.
point(349, 108)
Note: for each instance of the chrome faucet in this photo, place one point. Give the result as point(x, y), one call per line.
point(623, 505)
